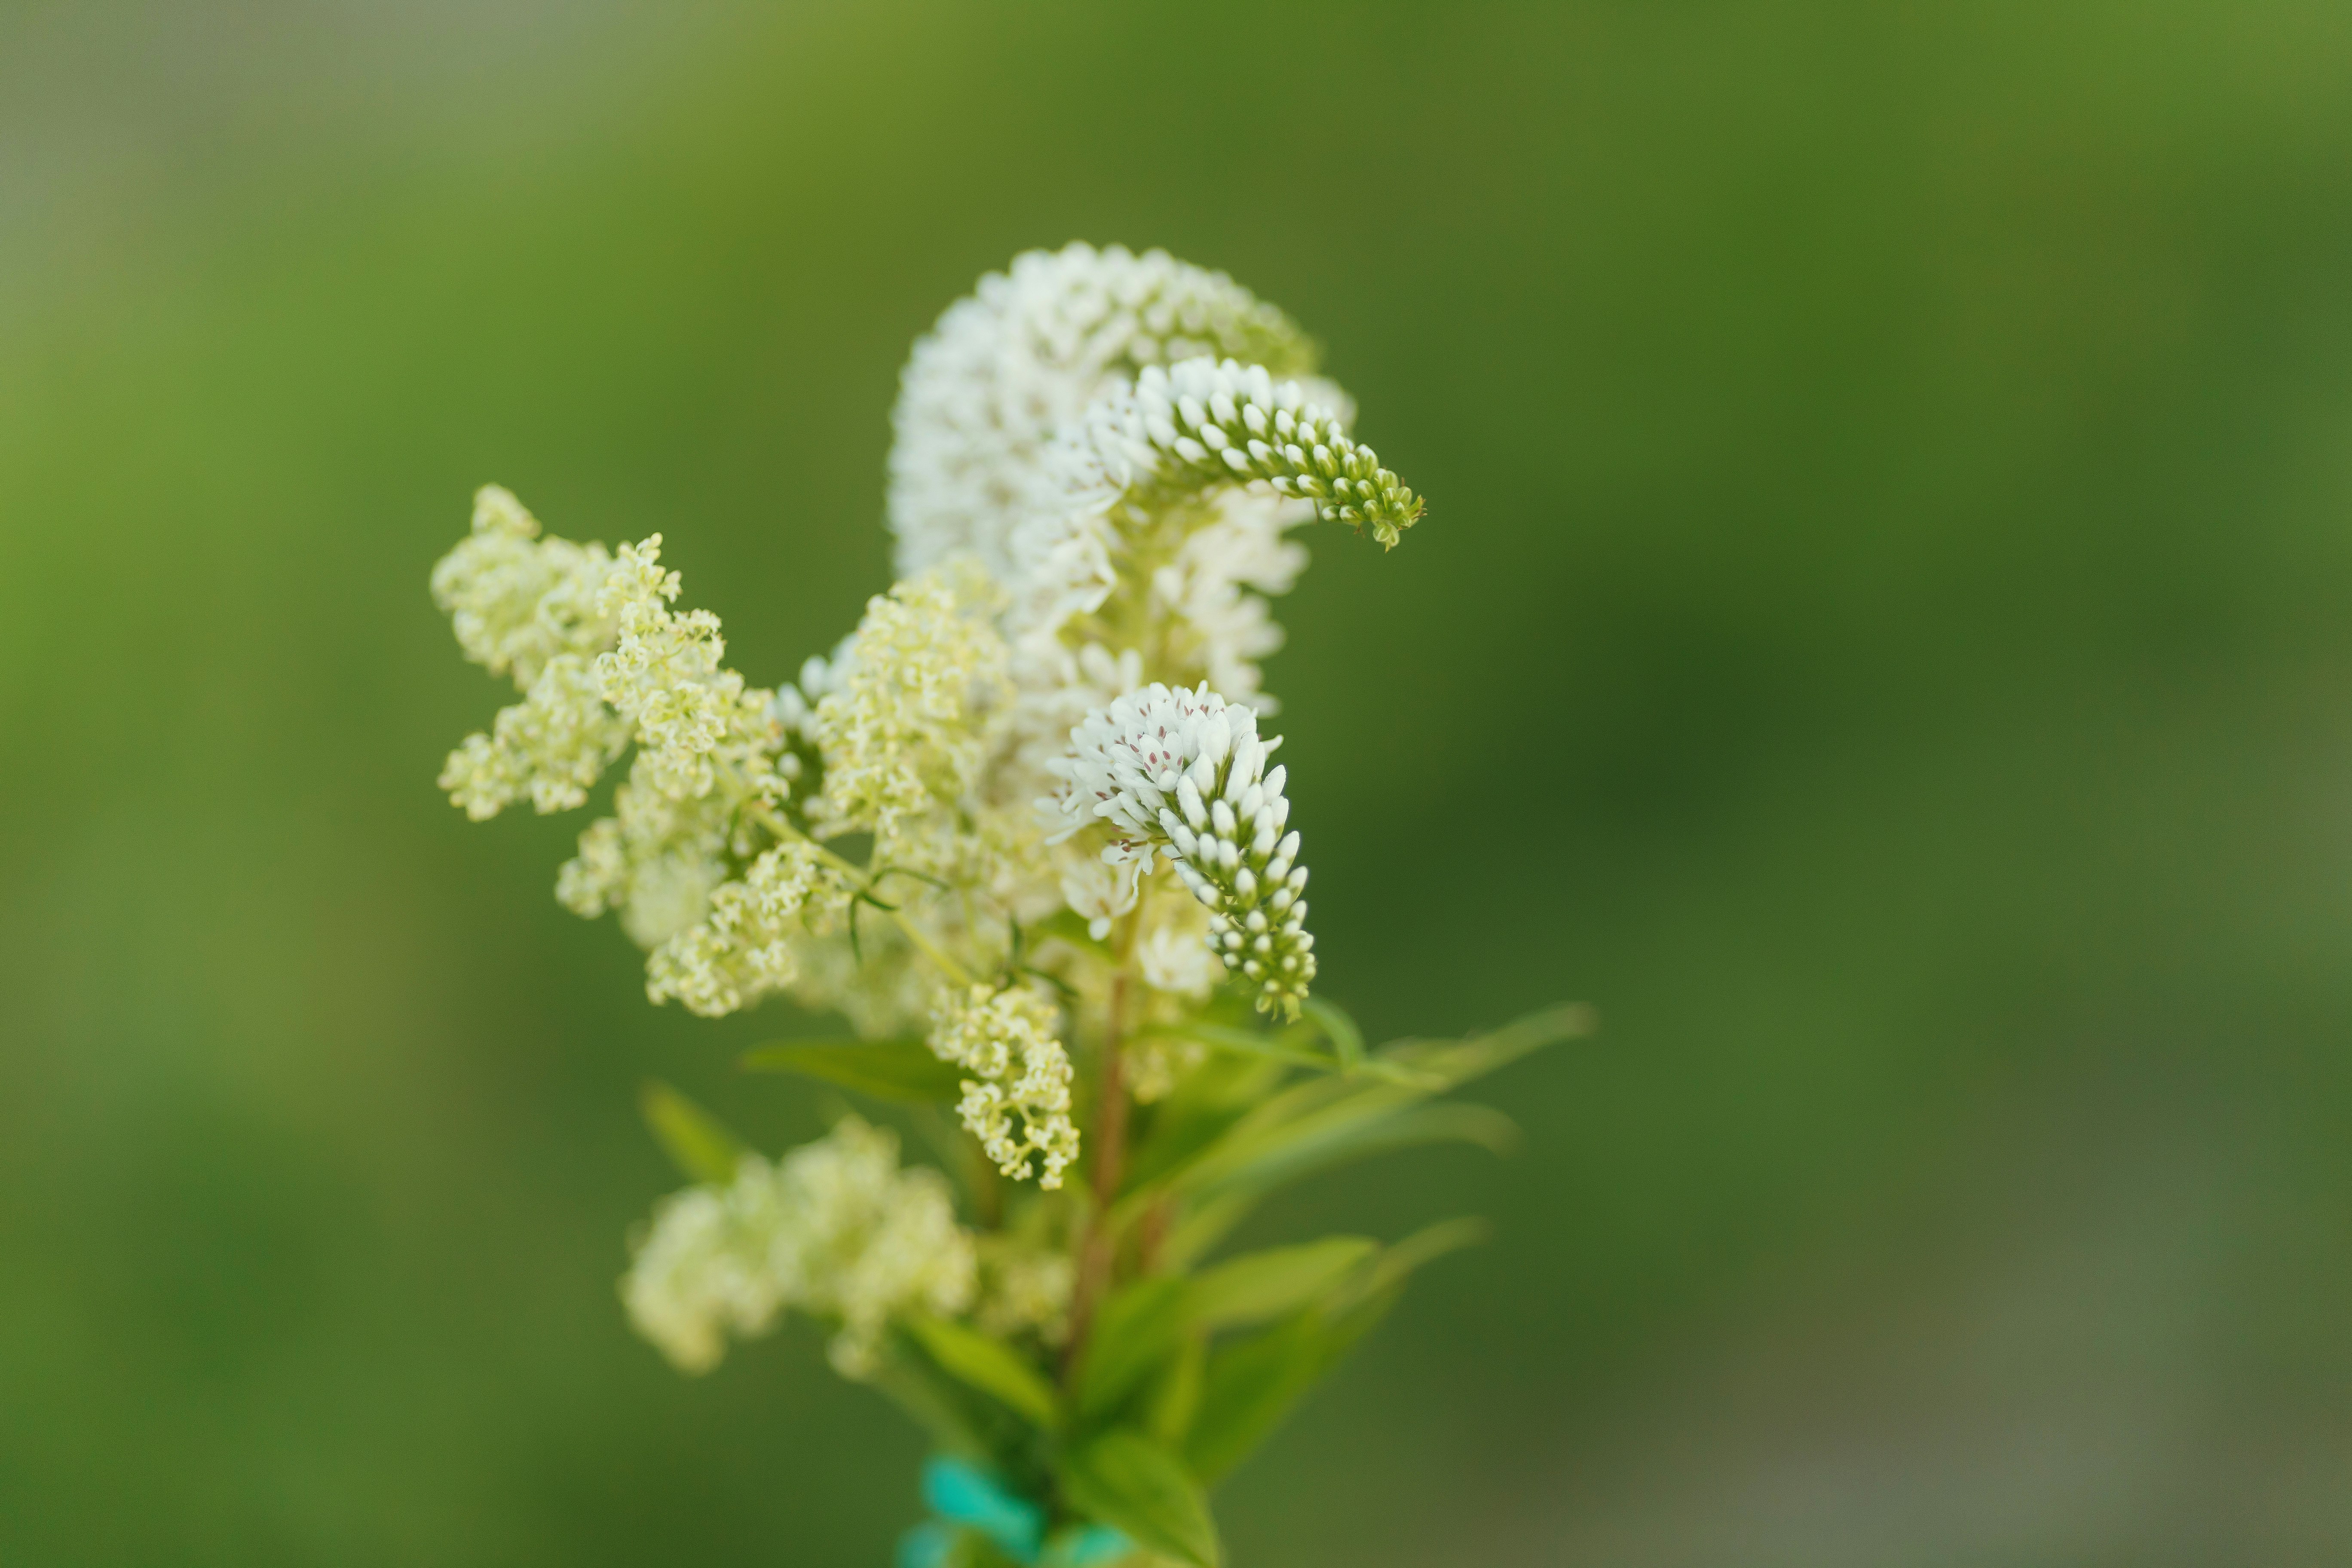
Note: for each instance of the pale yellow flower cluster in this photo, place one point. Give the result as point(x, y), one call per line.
point(517, 601)
point(835, 1229)
point(528, 609)
point(900, 725)
point(656, 860)
point(1025, 1288)
point(1006, 1040)
point(744, 946)
point(665, 674)
point(870, 1242)
point(601, 661)
point(552, 747)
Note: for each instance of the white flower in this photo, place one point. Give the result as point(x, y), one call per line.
point(516, 603)
point(1184, 772)
point(1098, 892)
point(1164, 504)
point(1004, 368)
point(835, 1229)
point(644, 858)
point(602, 662)
point(868, 1242)
point(553, 746)
point(705, 1267)
point(744, 945)
point(1005, 1040)
point(1025, 1288)
point(664, 672)
point(1213, 590)
point(897, 723)
point(1205, 423)
point(1174, 954)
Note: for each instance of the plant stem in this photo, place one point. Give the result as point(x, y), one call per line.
point(775, 824)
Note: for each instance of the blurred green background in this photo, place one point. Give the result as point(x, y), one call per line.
point(1879, 635)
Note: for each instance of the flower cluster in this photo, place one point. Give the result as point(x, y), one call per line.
point(1018, 826)
point(517, 601)
point(900, 723)
point(1184, 773)
point(835, 1229)
point(1024, 1289)
point(743, 947)
point(603, 663)
point(1005, 1040)
point(552, 747)
point(1202, 422)
point(664, 675)
point(1004, 370)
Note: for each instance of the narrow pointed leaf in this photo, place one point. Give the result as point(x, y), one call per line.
point(1128, 1482)
point(990, 1366)
point(1249, 1387)
point(1456, 1062)
point(1207, 1222)
point(1426, 1245)
point(1139, 1328)
point(697, 1142)
point(1322, 1145)
point(1265, 1134)
point(1260, 1286)
point(903, 1070)
point(1248, 1042)
point(1168, 1415)
point(1347, 1040)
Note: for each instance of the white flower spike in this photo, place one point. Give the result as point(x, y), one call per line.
point(1184, 772)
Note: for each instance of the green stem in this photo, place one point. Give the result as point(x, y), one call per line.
point(776, 824)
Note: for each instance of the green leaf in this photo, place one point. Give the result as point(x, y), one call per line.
point(1204, 1225)
point(1456, 1062)
point(1352, 1129)
point(1318, 1123)
point(1347, 1040)
point(1424, 1247)
point(1289, 1048)
point(1206, 1104)
point(1168, 1414)
point(1249, 1387)
point(1335, 1146)
point(990, 1366)
point(1128, 1482)
point(932, 1401)
point(1259, 1286)
point(886, 1070)
point(1301, 1114)
point(1247, 1042)
point(1137, 1329)
point(697, 1142)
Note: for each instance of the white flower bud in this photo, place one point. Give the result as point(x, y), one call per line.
point(1188, 797)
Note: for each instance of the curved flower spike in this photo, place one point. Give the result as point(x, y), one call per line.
point(1203, 422)
point(1185, 771)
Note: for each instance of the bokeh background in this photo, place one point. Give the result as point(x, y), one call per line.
point(1880, 634)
